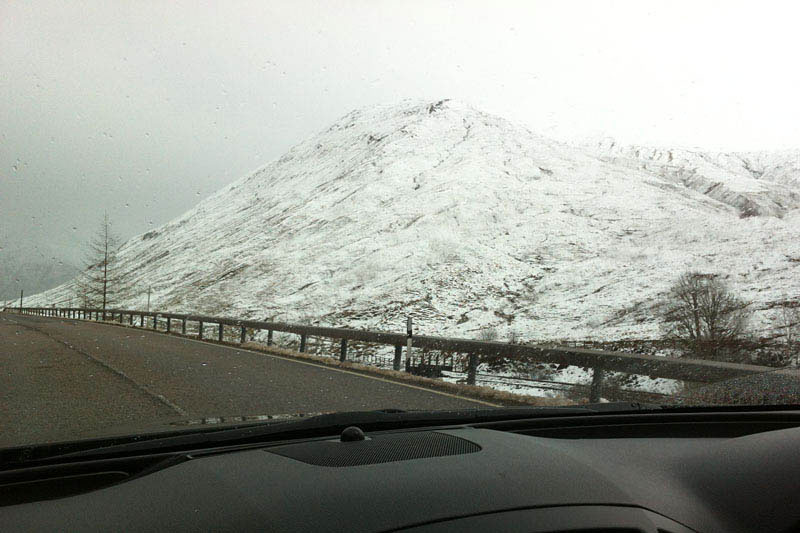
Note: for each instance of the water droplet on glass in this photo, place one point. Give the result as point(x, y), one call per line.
point(127, 204)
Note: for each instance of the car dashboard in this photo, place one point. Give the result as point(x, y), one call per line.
point(666, 473)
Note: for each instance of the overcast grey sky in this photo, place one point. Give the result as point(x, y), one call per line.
point(143, 108)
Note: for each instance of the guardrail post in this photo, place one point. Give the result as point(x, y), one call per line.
point(398, 357)
point(409, 333)
point(597, 384)
point(219, 333)
point(200, 330)
point(269, 337)
point(302, 342)
point(472, 368)
point(343, 352)
point(244, 332)
point(183, 326)
point(141, 320)
point(169, 324)
point(130, 319)
point(155, 322)
point(120, 317)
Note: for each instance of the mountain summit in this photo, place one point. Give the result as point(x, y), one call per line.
point(465, 220)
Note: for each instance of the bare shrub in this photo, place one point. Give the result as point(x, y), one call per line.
point(702, 311)
point(789, 328)
point(488, 334)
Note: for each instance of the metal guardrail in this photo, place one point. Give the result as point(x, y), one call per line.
point(694, 370)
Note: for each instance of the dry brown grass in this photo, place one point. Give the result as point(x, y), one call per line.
point(485, 394)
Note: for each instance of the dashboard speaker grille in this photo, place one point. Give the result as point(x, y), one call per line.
point(385, 448)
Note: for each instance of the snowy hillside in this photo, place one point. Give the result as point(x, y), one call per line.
point(464, 220)
point(756, 183)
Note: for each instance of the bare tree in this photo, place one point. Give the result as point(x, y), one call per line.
point(702, 310)
point(100, 281)
point(789, 325)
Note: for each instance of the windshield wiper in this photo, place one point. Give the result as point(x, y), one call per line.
point(316, 426)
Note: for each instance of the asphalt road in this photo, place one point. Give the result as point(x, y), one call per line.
point(64, 379)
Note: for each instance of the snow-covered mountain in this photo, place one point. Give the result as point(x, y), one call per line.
point(756, 183)
point(465, 220)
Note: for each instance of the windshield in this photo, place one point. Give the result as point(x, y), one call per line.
point(253, 212)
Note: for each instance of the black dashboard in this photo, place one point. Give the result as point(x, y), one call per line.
point(655, 473)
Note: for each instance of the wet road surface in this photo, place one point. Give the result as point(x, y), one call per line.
point(63, 379)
